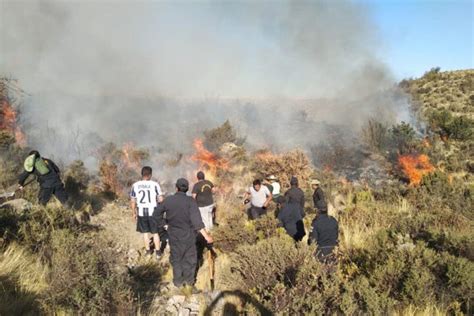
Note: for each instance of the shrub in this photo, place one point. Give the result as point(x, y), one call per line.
point(83, 277)
point(403, 137)
point(216, 137)
point(375, 134)
point(236, 231)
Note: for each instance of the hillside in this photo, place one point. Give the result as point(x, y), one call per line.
point(406, 245)
point(438, 90)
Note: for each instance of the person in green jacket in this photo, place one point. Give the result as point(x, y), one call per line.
point(48, 175)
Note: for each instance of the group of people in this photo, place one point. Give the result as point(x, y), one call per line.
point(178, 219)
point(182, 219)
point(290, 212)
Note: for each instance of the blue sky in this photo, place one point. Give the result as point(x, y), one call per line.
point(419, 35)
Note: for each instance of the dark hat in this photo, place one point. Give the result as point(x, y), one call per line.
point(182, 184)
point(294, 180)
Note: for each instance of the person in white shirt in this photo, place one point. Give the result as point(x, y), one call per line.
point(144, 198)
point(260, 196)
point(275, 187)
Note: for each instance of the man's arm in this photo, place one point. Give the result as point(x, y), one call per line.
point(133, 206)
point(22, 178)
point(269, 198)
point(133, 202)
point(53, 166)
point(158, 214)
point(302, 201)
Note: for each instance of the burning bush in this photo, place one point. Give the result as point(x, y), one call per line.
point(119, 167)
point(415, 167)
point(283, 166)
point(8, 114)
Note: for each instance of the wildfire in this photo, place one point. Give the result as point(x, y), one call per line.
point(415, 167)
point(131, 159)
point(8, 122)
point(208, 160)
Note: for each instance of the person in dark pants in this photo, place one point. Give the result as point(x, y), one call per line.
point(325, 233)
point(291, 218)
point(184, 223)
point(318, 196)
point(144, 198)
point(260, 196)
point(295, 194)
point(48, 176)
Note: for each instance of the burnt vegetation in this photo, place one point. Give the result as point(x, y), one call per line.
point(405, 247)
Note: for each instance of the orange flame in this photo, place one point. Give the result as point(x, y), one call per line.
point(415, 167)
point(8, 122)
point(130, 159)
point(208, 160)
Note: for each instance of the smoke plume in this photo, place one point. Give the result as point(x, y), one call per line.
point(158, 73)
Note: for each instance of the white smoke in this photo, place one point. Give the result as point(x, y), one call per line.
point(158, 73)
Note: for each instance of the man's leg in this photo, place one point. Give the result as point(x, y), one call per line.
point(254, 212)
point(156, 241)
point(210, 216)
point(163, 240)
point(176, 258)
point(146, 239)
point(45, 195)
point(61, 194)
point(190, 264)
point(203, 212)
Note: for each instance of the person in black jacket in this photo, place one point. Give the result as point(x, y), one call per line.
point(295, 194)
point(184, 223)
point(325, 233)
point(48, 175)
point(318, 196)
point(291, 218)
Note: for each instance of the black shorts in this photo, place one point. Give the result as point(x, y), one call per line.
point(147, 224)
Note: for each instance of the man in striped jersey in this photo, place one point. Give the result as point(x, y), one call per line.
point(145, 196)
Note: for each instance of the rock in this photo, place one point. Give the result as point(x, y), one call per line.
point(173, 310)
point(184, 312)
point(19, 206)
point(193, 307)
point(176, 300)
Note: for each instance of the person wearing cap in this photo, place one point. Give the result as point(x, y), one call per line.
point(274, 187)
point(318, 196)
point(290, 218)
point(48, 176)
point(184, 223)
point(295, 194)
point(202, 193)
point(325, 233)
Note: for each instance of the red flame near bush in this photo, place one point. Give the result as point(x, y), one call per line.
point(415, 167)
point(8, 122)
point(207, 160)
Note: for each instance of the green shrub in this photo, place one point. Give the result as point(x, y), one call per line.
point(456, 127)
point(375, 134)
point(83, 277)
point(403, 137)
point(216, 137)
point(235, 231)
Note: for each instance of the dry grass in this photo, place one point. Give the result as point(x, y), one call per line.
point(23, 280)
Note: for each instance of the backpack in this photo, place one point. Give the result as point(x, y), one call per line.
point(33, 162)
